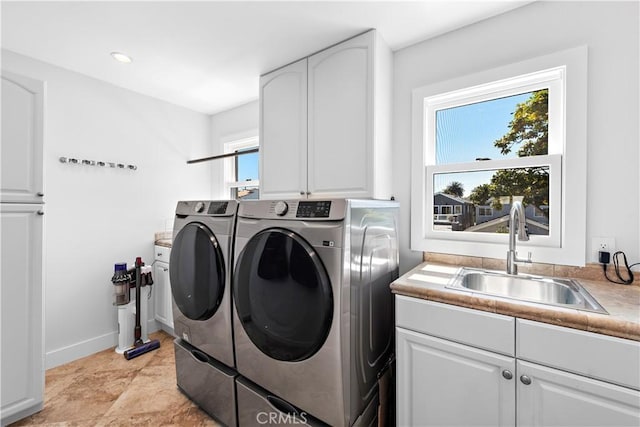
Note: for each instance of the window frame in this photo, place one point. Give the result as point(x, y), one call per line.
point(230, 165)
point(568, 155)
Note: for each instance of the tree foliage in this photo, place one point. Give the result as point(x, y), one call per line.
point(529, 127)
point(455, 188)
point(481, 194)
point(528, 134)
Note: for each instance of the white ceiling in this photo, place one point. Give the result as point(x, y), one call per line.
point(208, 55)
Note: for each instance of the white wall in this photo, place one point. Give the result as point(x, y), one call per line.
point(236, 123)
point(611, 32)
point(95, 216)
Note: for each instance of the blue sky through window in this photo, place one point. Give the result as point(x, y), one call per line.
point(248, 167)
point(468, 132)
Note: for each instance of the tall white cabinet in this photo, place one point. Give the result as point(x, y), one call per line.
point(325, 123)
point(22, 210)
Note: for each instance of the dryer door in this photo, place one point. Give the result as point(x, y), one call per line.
point(197, 271)
point(283, 295)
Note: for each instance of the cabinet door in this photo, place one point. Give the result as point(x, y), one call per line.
point(162, 290)
point(22, 138)
point(341, 119)
point(283, 132)
point(442, 383)
point(558, 398)
point(22, 311)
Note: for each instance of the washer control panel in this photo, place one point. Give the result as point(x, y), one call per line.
point(313, 209)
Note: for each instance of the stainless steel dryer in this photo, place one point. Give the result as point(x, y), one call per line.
point(200, 273)
point(313, 318)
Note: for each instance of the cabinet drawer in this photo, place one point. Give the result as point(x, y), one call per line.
point(162, 253)
point(480, 329)
point(594, 355)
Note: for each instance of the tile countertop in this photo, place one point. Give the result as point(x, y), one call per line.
point(163, 238)
point(428, 280)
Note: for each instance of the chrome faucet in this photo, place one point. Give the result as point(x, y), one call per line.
point(516, 214)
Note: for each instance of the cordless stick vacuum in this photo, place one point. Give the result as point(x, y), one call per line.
point(139, 347)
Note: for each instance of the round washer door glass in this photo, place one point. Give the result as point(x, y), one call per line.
point(283, 295)
point(196, 270)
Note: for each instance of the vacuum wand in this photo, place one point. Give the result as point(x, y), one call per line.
point(139, 347)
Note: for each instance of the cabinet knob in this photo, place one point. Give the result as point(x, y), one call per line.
point(302, 193)
point(40, 194)
point(308, 193)
point(165, 269)
point(40, 213)
point(507, 374)
point(159, 254)
point(525, 380)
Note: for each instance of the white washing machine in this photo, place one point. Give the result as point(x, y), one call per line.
point(200, 273)
point(313, 318)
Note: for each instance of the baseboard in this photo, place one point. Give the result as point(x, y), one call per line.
point(88, 347)
point(82, 349)
point(22, 410)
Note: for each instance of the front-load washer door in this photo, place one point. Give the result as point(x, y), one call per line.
point(283, 295)
point(197, 272)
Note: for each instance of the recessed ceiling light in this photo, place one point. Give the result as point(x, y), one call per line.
point(121, 57)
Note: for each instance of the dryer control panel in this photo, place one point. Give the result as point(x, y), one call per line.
point(292, 209)
point(313, 209)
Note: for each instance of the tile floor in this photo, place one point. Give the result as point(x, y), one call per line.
point(106, 390)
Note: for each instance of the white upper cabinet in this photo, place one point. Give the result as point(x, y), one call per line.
point(22, 138)
point(330, 114)
point(283, 132)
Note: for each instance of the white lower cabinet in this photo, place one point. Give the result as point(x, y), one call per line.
point(444, 383)
point(162, 289)
point(551, 397)
point(446, 380)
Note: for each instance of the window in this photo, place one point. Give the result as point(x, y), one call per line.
point(499, 136)
point(446, 210)
point(241, 172)
point(485, 211)
point(457, 209)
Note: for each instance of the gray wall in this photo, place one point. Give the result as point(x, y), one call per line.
point(611, 32)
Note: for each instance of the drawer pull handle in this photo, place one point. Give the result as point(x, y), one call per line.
point(507, 374)
point(282, 405)
point(525, 380)
point(200, 356)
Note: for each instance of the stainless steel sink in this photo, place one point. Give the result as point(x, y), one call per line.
point(544, 290)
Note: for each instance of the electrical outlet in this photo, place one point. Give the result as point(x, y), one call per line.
point(598, 244)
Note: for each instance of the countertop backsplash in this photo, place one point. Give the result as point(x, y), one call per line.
point(588, 272)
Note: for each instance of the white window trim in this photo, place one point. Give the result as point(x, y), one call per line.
point(457, 208)
point(229, 165)
point(573, 162)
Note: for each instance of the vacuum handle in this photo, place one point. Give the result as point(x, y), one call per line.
point(282, 405)
point(137, 331)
